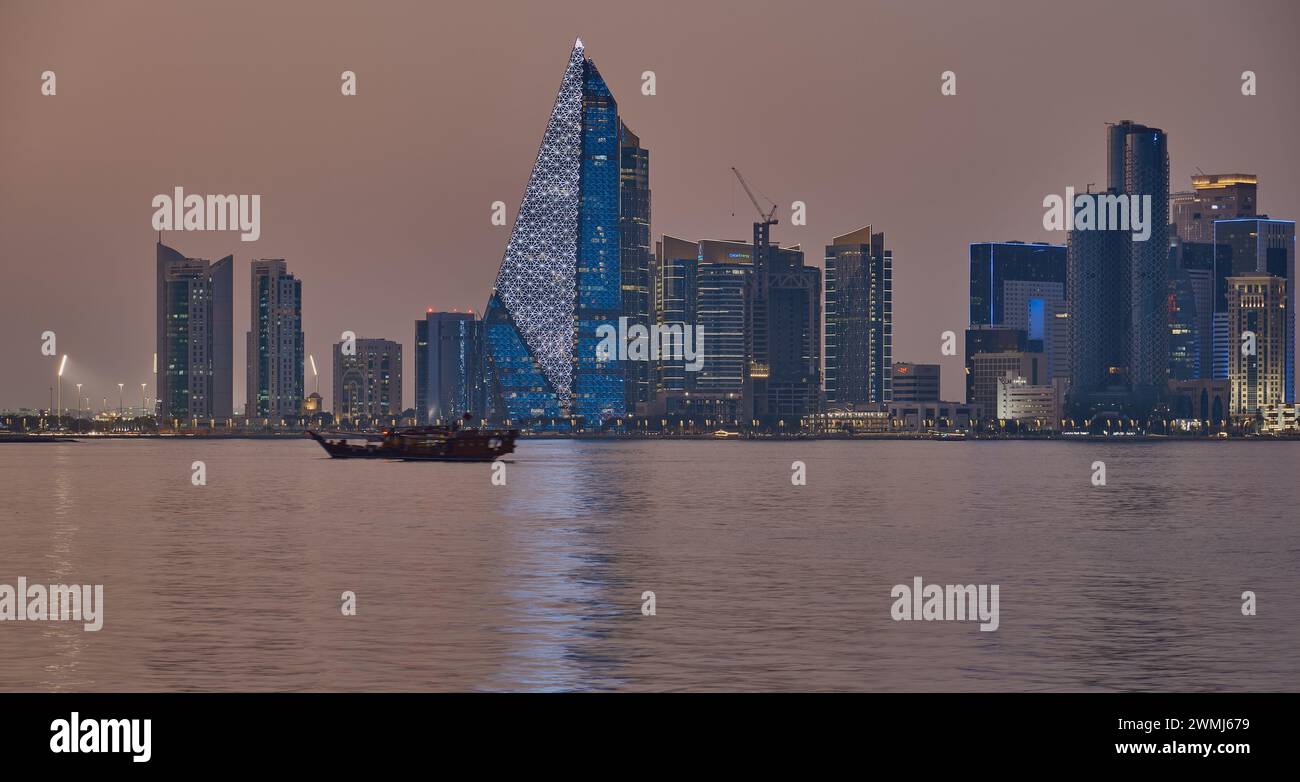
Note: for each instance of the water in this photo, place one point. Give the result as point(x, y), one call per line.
point(462, 585)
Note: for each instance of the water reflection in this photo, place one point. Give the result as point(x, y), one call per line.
point(759, 584)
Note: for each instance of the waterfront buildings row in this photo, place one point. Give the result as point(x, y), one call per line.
point(589, 325)
point(1195, 320)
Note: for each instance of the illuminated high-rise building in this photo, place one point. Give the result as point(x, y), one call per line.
point(1243, 246)
point(275, 355)
point(368, 380)
point(448, 367)
point(634, 235)
point(1257, 321)
point(1212, 197)
point(859, 319)
point(561, 277)
point(195, 336)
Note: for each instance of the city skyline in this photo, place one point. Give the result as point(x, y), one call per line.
point(375, 292)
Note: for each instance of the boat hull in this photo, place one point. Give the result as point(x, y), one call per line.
point(450, 446)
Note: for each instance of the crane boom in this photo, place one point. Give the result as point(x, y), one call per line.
point(767, 218)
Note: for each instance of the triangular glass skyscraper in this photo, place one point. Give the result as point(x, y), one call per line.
point(560, 276)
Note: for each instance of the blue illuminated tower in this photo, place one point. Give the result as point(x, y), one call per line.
point(560, 279)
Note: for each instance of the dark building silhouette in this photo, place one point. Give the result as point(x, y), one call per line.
point(1023, 285)
point(1184, 325)
point(915, 382)
point(449, 377)
point(634, 235)
point(195, 337)
point(1100, 313)
point(676, 299)
point(983, 338)
point(1138, 164)
point(1119, 285)
point(275, 356)
point(793, 339)
point(1191, 269)
point(859, 319)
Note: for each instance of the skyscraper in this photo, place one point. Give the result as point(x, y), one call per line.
point(1185, 336)
point(675, 307)
point(1191, 267)
point(1242, 246)
point(1212, 197)
point(1257, 320)
point(1119, 279)
point(792, 329)
point(1022, 286)
point(1138, 164)
point(276, 357)
point(722, 298)
point(561, 276)
point(634, 235)
point(1100, 312)
point(705, 285)
point(448, 367)
point(859, 318)
point(195, 337)
point(368, 382)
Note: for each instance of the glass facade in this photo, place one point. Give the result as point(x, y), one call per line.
point(635, 235)
point(276, 355)
point(859, 319)
point(448, 366)
point(194, 337)
point(1138, 162)
point(722, 294)
point(561, 277)
point(1245, 246)
point(598, 380)
point(994, 264)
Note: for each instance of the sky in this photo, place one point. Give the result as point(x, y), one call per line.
point(381, 202)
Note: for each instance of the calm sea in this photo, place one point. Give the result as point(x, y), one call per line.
point(758, 584)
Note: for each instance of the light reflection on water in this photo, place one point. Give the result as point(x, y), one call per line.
point(536, 585)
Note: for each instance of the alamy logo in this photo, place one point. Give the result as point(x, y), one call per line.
point(56, 603)
point(952, 603)
point(78, 735)
point(1099, 212)
point(180, 212)
point(672, 342)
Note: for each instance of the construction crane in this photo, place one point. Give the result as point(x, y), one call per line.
point(768, 219)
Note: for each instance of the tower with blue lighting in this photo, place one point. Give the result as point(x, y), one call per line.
point(561, 278)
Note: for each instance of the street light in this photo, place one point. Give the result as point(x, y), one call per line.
point(63, 364)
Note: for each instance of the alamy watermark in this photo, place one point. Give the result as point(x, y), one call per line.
point(672, 342)
point(180, 212)
point(1099, 212)
point(55, 603)
point(952, 603)
point(97, 735)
